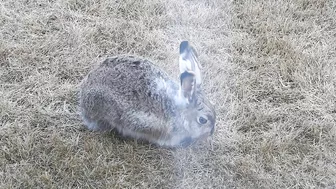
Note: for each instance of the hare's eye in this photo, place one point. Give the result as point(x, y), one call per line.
point(202, 120)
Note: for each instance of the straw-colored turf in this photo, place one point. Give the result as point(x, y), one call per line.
point(270, 70)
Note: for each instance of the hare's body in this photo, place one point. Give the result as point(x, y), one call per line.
point(131, 95)
point(139, 100)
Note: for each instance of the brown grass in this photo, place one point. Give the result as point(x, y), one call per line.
point(271, 70)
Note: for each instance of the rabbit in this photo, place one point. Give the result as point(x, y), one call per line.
point(133, 96)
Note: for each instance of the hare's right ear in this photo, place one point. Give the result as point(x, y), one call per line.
point(188, 61)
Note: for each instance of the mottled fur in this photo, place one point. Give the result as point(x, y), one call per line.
point(139, 100)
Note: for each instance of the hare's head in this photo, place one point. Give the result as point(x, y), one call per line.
point(199, 114)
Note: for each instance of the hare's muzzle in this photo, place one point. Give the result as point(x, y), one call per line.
point(186, 142)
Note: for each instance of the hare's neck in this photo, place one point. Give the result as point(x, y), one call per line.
point(170, 96)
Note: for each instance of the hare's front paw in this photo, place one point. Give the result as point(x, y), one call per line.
point(176, 140)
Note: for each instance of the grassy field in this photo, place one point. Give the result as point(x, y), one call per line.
point(270, 70)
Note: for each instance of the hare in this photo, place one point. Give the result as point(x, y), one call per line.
point(139, 100)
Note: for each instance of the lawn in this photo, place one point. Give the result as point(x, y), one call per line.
point(269, 68)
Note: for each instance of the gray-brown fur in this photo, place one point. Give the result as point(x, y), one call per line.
point(135, 97)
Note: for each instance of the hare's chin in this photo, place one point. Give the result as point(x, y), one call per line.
point(205, 136)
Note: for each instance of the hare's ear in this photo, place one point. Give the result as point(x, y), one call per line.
point(188, 85)
point(188, 61)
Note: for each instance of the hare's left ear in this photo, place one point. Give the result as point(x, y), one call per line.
point(190, 71)
point(188, 86)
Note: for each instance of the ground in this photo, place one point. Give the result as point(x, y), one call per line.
point(269, 69)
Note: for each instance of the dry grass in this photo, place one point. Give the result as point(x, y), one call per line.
point(270, 70)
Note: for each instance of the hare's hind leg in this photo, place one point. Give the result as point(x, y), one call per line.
point(97, 124)
point(90, 124)
point(98, 110)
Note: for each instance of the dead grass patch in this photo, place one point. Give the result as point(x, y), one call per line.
point(270, 70)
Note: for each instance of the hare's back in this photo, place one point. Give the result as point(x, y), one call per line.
point(132, 79)
point(132, 71)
